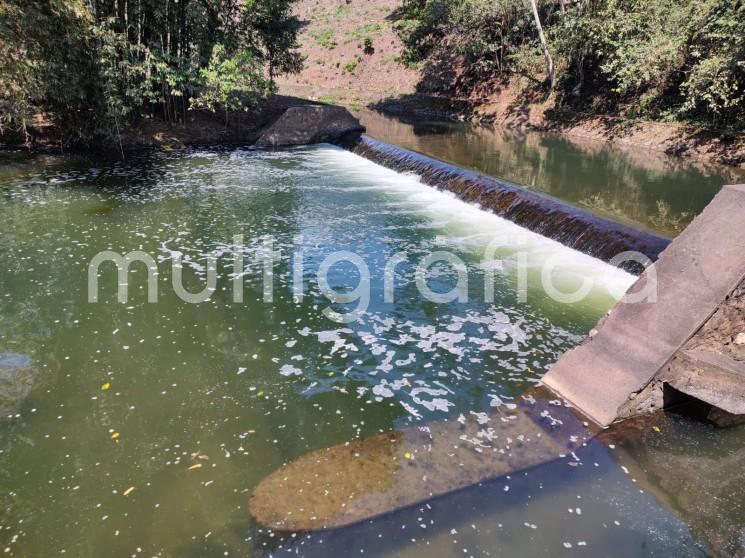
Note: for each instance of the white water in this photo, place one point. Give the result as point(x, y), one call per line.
point(473, 228)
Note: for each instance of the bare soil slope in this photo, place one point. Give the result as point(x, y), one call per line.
point(352, 52)
point(340, 69)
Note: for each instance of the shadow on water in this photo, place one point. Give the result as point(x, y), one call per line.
point(453, 489)
point(663, 470)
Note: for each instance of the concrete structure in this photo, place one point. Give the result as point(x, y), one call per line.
point(308, 124)
point(356, 481)
point(548, 216)
point(622, 368)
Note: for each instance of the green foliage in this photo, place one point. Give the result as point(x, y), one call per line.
point(94, 65)
point(350, 67)
point(365, 30)
point(325, 38)
point(272, 29)
point(715, 86)
point(231, 82)
point(483, 33)
point(328, 99)
point(679, 59)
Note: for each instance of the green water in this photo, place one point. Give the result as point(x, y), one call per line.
point(148, 424)
point(633, 185)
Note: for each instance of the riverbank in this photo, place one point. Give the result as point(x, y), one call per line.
point(354, 56)
point(201, 127)
point(510, 109)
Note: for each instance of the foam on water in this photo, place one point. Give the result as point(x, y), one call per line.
point(474, 228)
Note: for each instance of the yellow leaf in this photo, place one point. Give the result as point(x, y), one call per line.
point(106, 386)
point(115, 435)
point(128, 491)
point(656, 429)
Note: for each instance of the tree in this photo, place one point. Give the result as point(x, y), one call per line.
point(95, 65)
point(544, 45)
point(233, 82)
point(272, 28)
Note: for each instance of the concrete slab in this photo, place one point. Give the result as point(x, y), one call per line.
point(632, 344)
point(308, 124)
point(362, 479)
point(710, 377)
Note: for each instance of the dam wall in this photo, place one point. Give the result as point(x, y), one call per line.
point(578, 229)
point(574, 227)
point(687, 339)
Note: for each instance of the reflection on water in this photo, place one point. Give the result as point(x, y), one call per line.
point(147, 426)
point(639, 187)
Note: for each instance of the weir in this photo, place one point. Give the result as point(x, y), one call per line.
point(620, 371)
point(578, 229)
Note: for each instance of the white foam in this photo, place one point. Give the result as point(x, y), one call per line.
point(472, 228)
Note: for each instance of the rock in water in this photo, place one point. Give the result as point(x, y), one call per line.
point(308, 124)
point(17, 377)
point(352, 482)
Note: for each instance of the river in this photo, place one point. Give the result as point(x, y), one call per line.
point(140, 428)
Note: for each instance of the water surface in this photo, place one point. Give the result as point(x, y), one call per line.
point(633, 185)
point(148, 425)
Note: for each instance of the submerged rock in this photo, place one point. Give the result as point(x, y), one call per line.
point(17, 377)
point(308, 124)
point(362, 479)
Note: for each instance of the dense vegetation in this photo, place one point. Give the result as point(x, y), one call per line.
point(662, 59)
point(95, 65)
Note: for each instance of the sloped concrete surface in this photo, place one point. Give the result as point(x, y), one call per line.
point(636, 340)
point(710, 377)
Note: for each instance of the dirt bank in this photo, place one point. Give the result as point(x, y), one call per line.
point(507, 108)
point(200, 128)
point(340, 69)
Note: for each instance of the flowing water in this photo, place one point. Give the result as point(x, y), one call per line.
point(140, 429)
point(635, 186)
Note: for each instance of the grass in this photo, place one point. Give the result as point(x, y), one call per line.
point(320, 14)
point(325, 38)
point(365, 30)
point(350, 67)
point(328, 99)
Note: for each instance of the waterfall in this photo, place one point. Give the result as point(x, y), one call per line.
point(579, 229)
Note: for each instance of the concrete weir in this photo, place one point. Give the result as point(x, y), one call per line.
point(634, 356)
point(687, 341)
point(540, 213)
point(548, 216)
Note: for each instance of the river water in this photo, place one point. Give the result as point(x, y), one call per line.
point(636, 186)
point(140, 429)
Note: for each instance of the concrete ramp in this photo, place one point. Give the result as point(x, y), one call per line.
point(631, 345)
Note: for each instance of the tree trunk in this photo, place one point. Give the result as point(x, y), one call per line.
point(546, 53)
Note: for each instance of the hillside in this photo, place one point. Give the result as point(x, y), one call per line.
point(338, 66)
point(339, 69)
